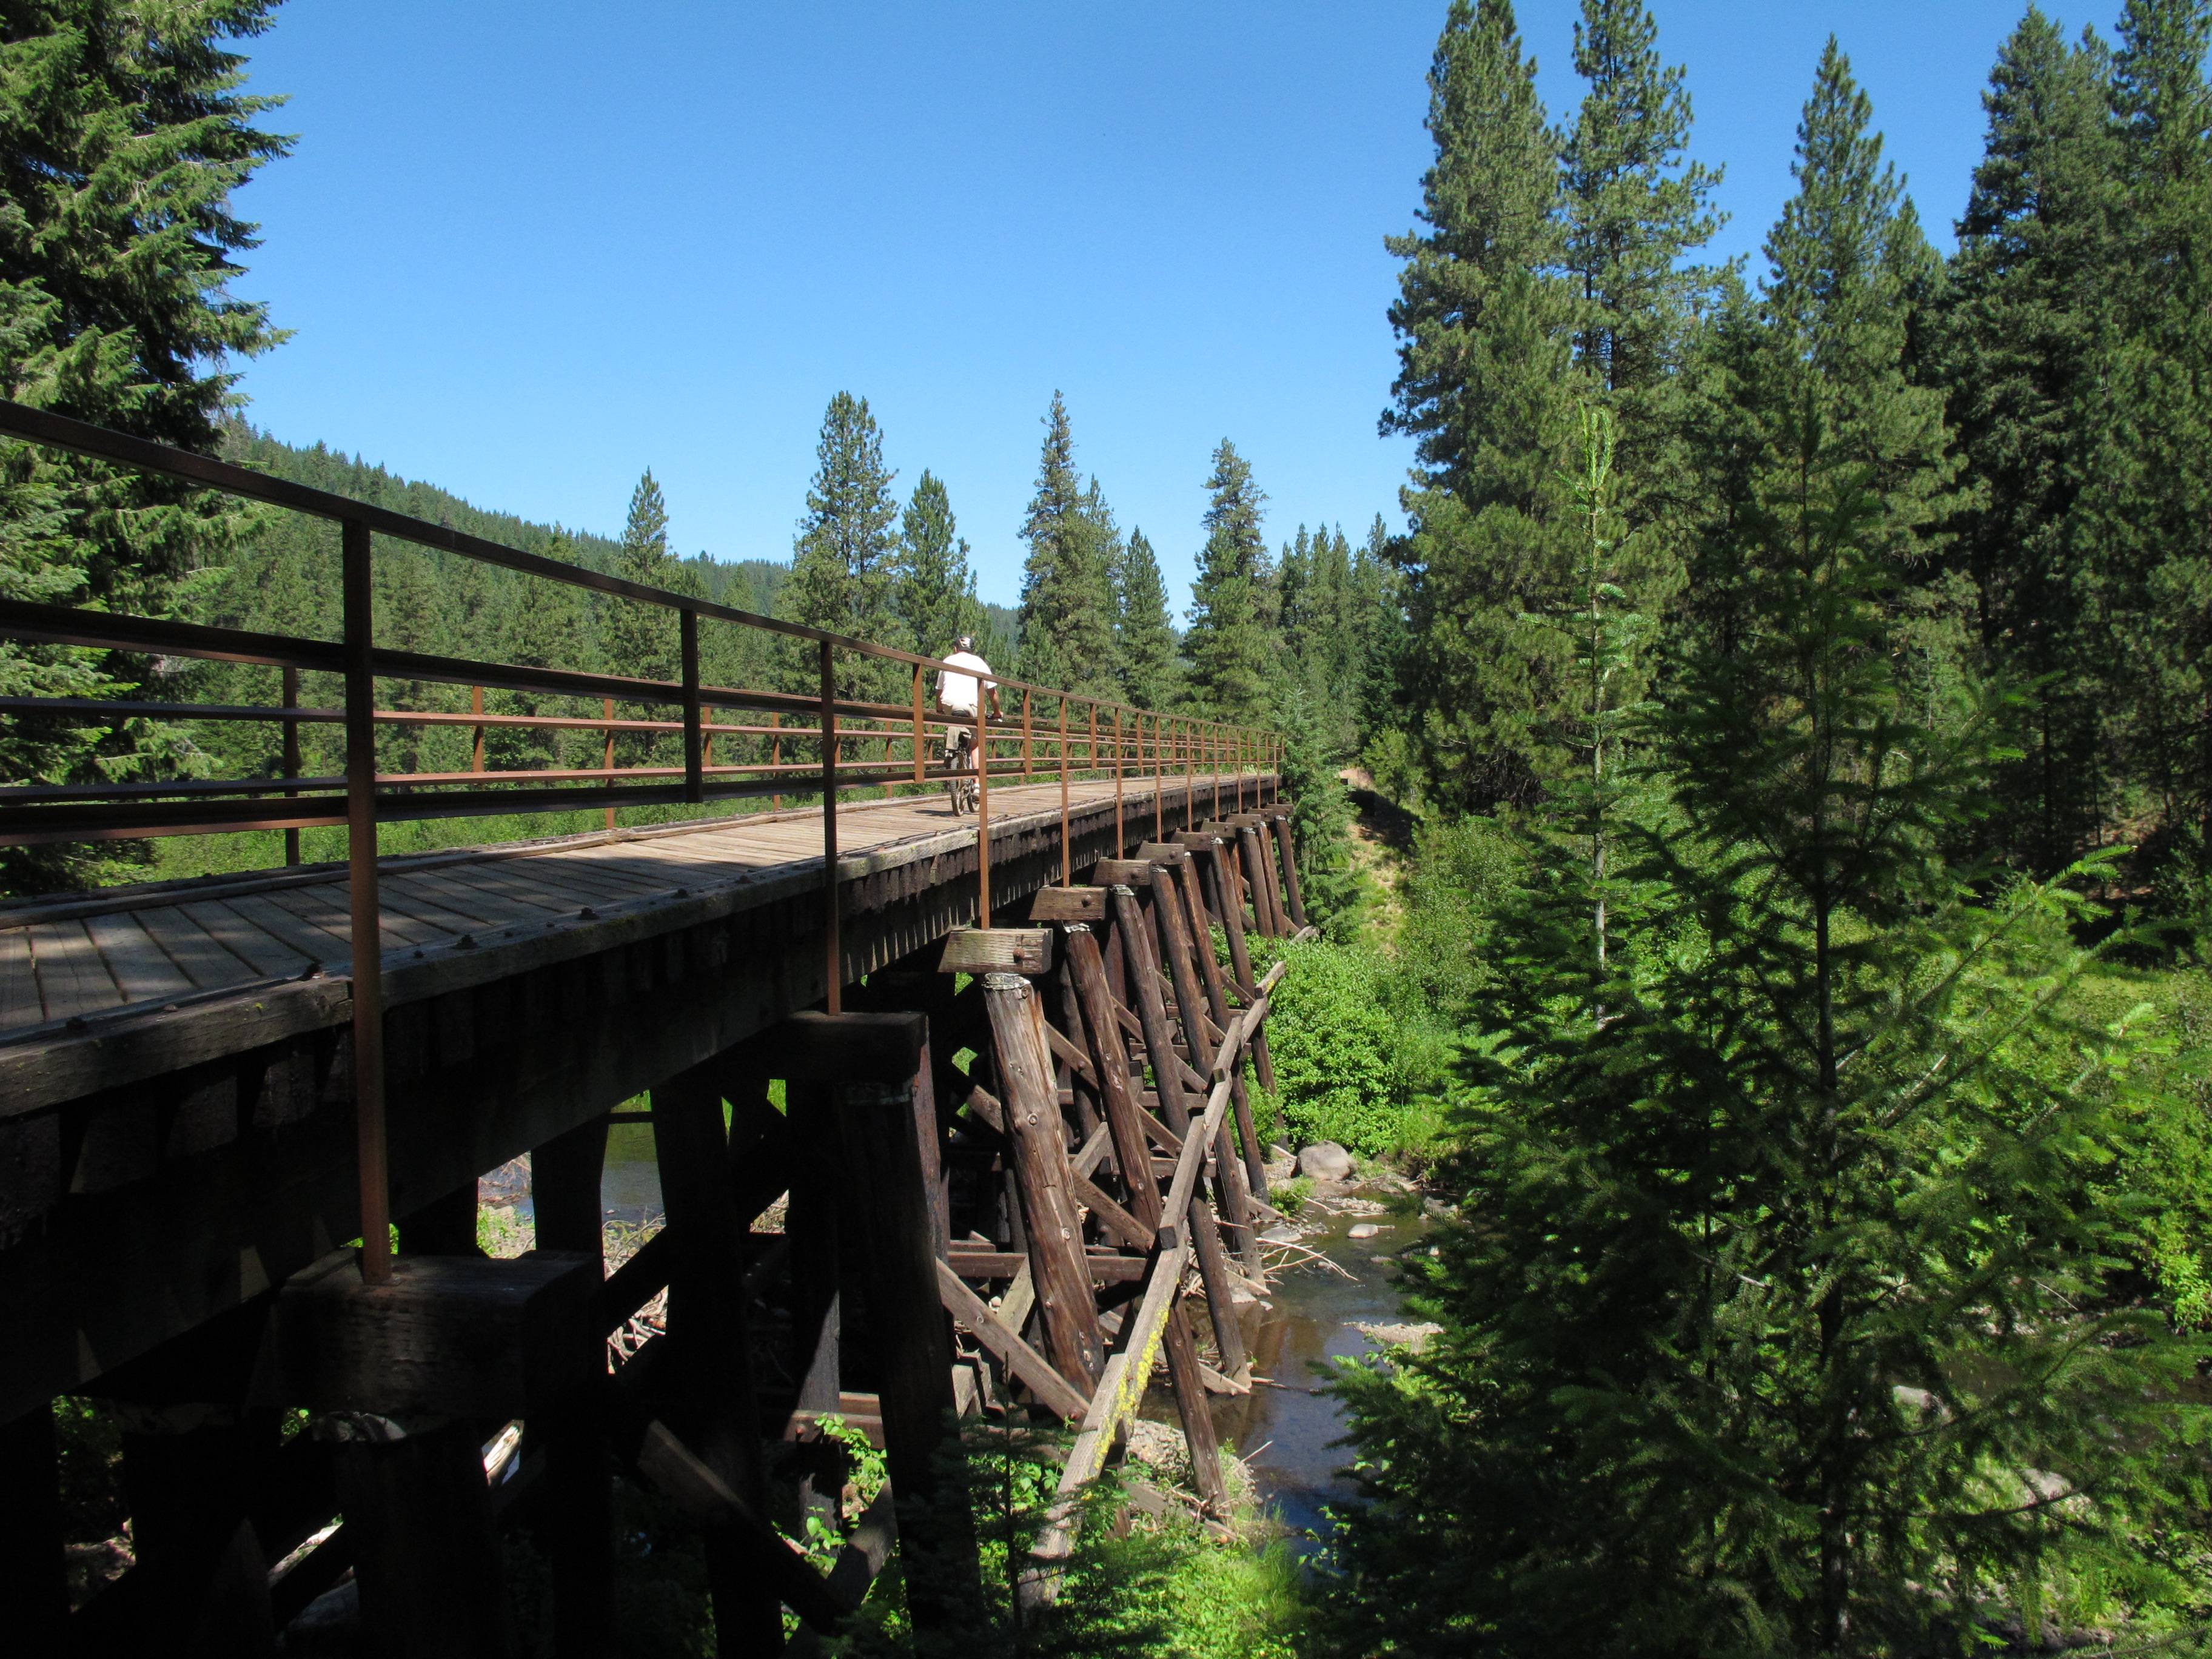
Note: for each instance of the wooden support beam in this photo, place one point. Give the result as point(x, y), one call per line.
point(974, 1315)
point(770, 1561)
point(998, 951)
point(1122, 872)
point(1087, 966)
point(1036, 1131)
point(1288, 848)
point(1221, 868)
point(1065, 1049)
point(1259, 871)
point(1208, 1047)
point(1063, 904)
point(709, 1336)
point(1116, 1221)
point(424, 1552)
point(459, 1336)
point(1108, 1266)
point(1138, 941)
point(1255, 1167)
point(889, 1199)
point(819, 1048)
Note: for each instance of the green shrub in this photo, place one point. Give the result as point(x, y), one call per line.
point(1338, 1070)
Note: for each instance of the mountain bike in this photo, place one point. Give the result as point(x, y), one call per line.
point(960, 787)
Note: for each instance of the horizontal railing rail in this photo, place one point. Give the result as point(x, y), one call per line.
point(822, 741)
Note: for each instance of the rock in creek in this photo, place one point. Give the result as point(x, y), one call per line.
point(1325, 1161)
point(1365, 1230)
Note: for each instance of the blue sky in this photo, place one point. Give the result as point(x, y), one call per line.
point(529, 250)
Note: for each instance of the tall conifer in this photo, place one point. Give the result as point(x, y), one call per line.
point(844, 565)
point(1637, 208)
point(1486, 317)
point(1232, 642)
point(2028, 341)
point(1067, 598)
point(2154, 491)
point(936, 589)
point(124, 132)
point(1145, 664)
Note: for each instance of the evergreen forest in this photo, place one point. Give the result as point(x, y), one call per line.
point(1754, 786)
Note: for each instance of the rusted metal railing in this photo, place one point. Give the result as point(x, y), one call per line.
point(363, 797)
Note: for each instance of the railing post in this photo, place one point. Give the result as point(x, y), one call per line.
point(291, 758)
point(1159, 782)
point(694, 765)
point(1066, 879)
point(607, 762)
point(774, 756)
point(982, 802)
point(919, 735)
point(832, 923)
point(367, 941)
point(476, 748)
point(1189, 775)
point(1120, 836)
point(1029, 768)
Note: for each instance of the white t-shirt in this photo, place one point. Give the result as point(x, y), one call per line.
point(961, 692)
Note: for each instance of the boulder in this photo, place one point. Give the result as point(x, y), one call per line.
point(1325, 1161)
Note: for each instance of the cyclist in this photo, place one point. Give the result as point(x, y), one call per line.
point(960, 693)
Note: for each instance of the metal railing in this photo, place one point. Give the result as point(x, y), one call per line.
point(1037, 731)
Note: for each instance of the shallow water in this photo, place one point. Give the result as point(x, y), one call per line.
point(1286, 1433)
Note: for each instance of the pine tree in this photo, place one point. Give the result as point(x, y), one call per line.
point(1067, 600)
point(844, 564)
point(1232, 643)
point(544, 625)
point(2028, 341)
point(936, 594)
point(1145, 652)
point(2153, 494)
point(641, 641)
point(1827, 346)
point(1637, 208)
point(123, 133)
point(1778, 1321)
point(1487, 319)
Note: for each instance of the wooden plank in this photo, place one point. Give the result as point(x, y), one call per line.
point(1122, 872)
point(1067, 1051)
point(971, 1262)
point(998, 951)
point(203, 958)
point(314, 943)
point(1109, 1214)
point(818, 1048)
point(265, 953)
point(546, 886)
point(72, 978)
point(972, 1313)
point(323, 908)
point(19, 982)
point(478, 890)
point(1127, 1373)
point(139, 965)
point(1068, 904)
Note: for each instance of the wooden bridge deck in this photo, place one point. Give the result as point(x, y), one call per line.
point(168, 944)
point(176, 1132)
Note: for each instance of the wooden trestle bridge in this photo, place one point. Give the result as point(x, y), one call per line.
point(1006, 1154)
